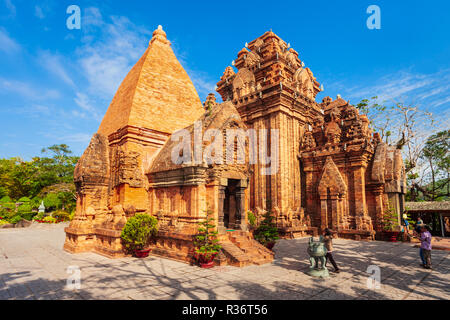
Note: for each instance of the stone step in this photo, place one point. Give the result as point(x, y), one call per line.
point(234, 255)
point(242, 249)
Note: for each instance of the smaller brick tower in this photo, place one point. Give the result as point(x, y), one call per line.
point(155, 99)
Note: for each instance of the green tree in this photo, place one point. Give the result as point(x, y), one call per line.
point(436, 154)
point(19, 178)
point(399, 124)
point(62, 164)
point(206, 241)
point(52, 202)
point(267, 231)
point(6, 181)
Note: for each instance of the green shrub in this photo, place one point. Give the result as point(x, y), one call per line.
point(2, 222)
point(39, 216)
point(267, 231)
point(52, 202)
point(5, 199)
point(7, 203)
point(206, 242)
point(9, 206)
point(3, 213)
point(138, 230)
point(251, 218)
point(25, 208)
point(24, 200)
point(3, 191)
point(35, 203)
point(15, 219)
point(61, 215)
point(10, 214)
point(390, 220)
point(25, 212)
point(28, 216)
point(49, 219)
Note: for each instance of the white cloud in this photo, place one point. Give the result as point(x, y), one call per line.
point(7, 44)
point(26, 90)
point(87, 109)
point(442, 102)
point(202, 83)
point(77, 138)
point(429, 91)
point(107, 58)
point(55, 64)
point(104, 74)
point(33, 110)
point(11, 7)
point(38, 12)
point(92, 17)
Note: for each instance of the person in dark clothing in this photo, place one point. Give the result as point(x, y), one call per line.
point(328, 238)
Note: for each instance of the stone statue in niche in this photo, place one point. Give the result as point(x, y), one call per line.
point(251, 59)
point(308, 221)
point(227, 73)
point(326, 101)
point(304, 82)
point(258, 44)
point(308, 141)
point(119, 218)
point(364, 223)
point(343, 222)
point(351, 113)
point(333, 131)
point(260, 215)
point(276, 212)
point(130, 210)
point(161, 219)
point(243, 83)
point(291, 57)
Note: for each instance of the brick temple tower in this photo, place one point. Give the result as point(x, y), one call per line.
point(332, 171)
point(273, 90)
point(155, 99)
point(327, 168)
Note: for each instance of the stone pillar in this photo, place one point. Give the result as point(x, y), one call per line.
point(310, 205)
point(360, 191)
point(334, 212)
point(240, 223)
point(379, 209)
point(323, 212)
point(221, 226)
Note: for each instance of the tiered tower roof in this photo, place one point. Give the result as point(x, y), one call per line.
point(156, 94)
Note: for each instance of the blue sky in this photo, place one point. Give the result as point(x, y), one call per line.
point(56, 83)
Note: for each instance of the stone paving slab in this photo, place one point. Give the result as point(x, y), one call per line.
point(34, 266)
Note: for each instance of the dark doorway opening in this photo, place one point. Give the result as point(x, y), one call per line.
point(230, 205)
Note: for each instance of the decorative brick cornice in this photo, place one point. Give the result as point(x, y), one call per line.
point(142, 135)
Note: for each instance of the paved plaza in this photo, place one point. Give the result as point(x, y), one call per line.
point(34, 266)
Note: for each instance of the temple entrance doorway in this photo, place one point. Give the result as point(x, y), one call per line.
point(230, 205)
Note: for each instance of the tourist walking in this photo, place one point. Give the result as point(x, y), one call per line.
point(425, 246)
point(328, 239)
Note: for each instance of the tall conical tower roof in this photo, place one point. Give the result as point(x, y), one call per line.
point(156, 94)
